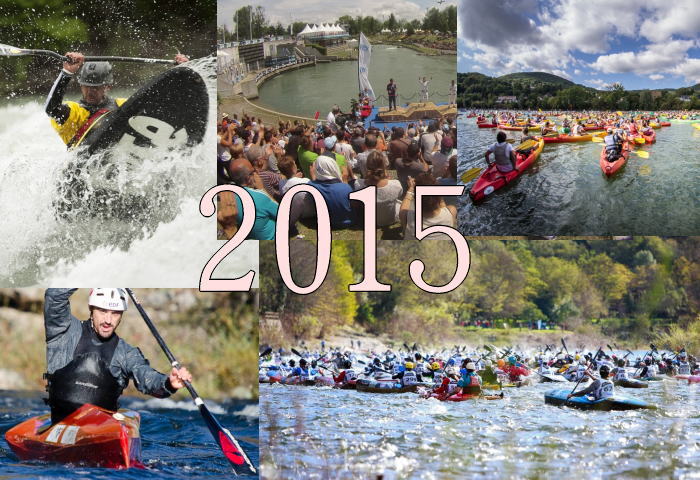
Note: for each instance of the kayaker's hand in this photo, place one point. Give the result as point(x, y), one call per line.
point(180, 58)
point(178, 378)
point(569, 396)
point(76, 60)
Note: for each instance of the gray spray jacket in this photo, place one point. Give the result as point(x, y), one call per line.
point(63, 332)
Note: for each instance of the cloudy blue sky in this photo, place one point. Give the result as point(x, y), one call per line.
point(324, 11)
point(641, 44)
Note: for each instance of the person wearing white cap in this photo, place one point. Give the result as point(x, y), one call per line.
point(329, 147)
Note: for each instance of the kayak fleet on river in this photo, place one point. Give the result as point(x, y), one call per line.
point(619, 133)
point(587, 380)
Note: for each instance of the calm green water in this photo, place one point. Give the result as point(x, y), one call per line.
point(565, 192)
point(310, 432)
point(308, 90)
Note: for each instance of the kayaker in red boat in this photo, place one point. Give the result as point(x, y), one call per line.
point(578, 130)
point(408, 376)
point(504, 156)
point(347, 374)
point(87, 362)
point(515, 370)
point(470, 381)
point(613, 145)
point(600, 388)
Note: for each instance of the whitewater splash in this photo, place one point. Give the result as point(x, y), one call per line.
point(166, 244)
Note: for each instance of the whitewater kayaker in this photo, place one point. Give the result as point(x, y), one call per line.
point(683, 364)
point(72, 119)
point(648, 369)
point(470, 381)
point(347, 374)
point(600, 388)
point(504, 155)
point(408, 376)
point(301, 371)
point(87, 362)
point(619, 372)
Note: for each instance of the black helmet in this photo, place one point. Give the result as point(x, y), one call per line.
point(604, 371)
point(292, 362)
point(95, 74)
point(303, 362)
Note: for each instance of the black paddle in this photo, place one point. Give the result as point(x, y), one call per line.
point(267, 351)
point(229, 446)
point(564, 344)
point(8, 51)
point(582, 376)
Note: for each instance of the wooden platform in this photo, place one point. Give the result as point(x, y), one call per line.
point(417, 111)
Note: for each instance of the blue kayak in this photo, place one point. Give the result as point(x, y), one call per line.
point(616, 402)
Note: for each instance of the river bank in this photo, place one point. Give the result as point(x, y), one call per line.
point(357, 339)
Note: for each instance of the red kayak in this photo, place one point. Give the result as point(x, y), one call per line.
point(491, 180)
point(665, 124)
point(649, 138)
point(89, 436)
point(610, 168)
point(486, 125)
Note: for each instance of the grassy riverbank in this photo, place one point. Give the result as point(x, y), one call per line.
point(214, 335)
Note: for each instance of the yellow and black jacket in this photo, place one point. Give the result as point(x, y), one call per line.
point(69, 118)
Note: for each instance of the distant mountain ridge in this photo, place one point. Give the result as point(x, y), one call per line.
point(542, 77)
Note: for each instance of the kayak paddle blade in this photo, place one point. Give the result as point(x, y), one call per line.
point(229, 446)
point(470, 174)
point(8, 51)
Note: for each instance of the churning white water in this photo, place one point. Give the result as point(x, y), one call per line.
point(165, 243)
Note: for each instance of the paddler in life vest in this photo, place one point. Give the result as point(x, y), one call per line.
point(515, 370)
point(613, 145)
point(620, 372)
point(408, 376)
point(72, 120)
point(87, 362)
point(470, 381)
point(504, 155)
point(600, 388)
point(302, 371)
point(683, 364)
point(346, 375)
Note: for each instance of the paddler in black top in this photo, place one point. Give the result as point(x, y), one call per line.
point(70, 119)
point(88, 363)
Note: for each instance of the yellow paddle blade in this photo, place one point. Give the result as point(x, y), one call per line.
point(525, 145)
point(619, 113)
point(597, 139)
point(471, 174)
point(641, 154)
point(644, 170)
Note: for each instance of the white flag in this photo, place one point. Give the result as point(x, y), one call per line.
point(363, 67)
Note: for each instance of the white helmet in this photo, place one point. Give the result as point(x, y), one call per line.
point(109, 299)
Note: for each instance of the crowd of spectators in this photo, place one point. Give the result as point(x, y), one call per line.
point(267, 160)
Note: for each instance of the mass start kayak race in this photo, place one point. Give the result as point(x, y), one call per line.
point(457, 412)
point(603, 173)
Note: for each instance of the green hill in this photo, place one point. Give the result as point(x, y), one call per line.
point(541, 77)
